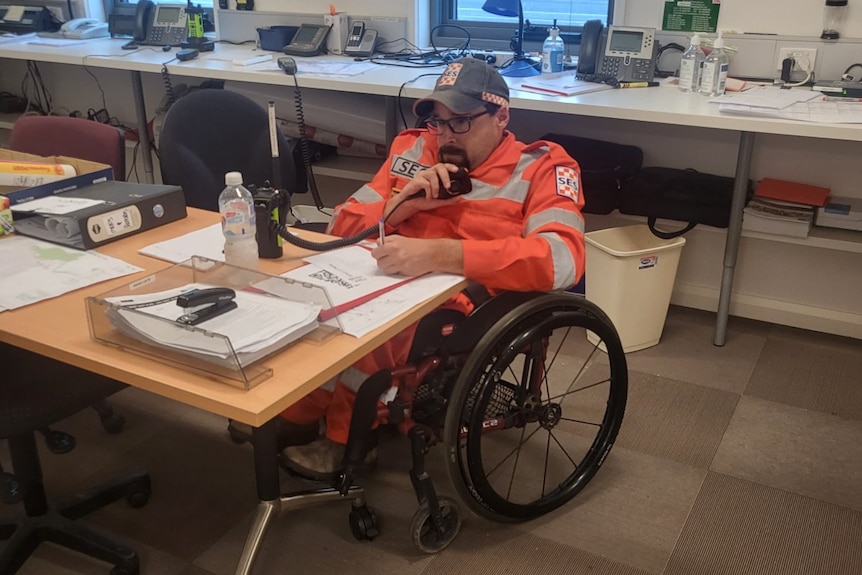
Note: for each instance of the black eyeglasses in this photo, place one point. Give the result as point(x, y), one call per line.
point(456, 125)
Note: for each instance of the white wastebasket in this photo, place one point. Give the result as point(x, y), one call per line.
point(630, 274)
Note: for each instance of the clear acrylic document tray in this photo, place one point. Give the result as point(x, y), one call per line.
point(270, 313)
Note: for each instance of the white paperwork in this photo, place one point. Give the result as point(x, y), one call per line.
point(763, 98)
point(801, 105)
point(55, 205)
point(33, 270)
point(560, 84)
point(259, 325)
point(351, 274)
point(207, 242)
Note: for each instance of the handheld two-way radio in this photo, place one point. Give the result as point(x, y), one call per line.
point(195, 23)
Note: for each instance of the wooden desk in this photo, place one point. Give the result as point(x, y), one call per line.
point(297, 370)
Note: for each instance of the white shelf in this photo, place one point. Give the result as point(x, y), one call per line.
point(349, 168)
point(827, 238)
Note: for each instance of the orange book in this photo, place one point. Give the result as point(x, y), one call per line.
point(794, 192)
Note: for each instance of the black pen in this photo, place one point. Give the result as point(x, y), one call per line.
point(637, 85)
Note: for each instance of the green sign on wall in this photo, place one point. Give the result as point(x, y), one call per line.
point(691, 15)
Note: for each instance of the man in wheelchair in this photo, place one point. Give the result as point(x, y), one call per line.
point(519, 229)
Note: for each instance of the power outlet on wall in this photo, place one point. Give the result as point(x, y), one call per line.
point(803, 58)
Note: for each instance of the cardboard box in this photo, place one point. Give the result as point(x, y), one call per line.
point(123, 209)
point(844, 213)
point(89, 173)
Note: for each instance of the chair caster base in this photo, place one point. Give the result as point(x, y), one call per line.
point(364, 524)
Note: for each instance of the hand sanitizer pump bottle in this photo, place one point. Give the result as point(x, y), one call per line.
point(553, 51)
point(715, 67)
point(691, 66)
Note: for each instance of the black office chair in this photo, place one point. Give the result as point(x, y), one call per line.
point(36, 392)
point(210, 132)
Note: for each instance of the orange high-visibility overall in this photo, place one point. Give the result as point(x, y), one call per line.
point(521, 230)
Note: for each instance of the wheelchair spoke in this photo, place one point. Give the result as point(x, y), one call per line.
point(515, 466)
point(578, 390)
point(514, 449)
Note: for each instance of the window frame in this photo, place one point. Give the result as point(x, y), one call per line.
point(494, 35)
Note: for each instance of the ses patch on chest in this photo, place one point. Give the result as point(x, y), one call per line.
point(567, 182)
point(404, 167)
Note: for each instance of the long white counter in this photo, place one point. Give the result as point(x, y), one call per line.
point(658, 106)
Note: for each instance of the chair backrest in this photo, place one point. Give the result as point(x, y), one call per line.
point(73, 137)
point(210, 132)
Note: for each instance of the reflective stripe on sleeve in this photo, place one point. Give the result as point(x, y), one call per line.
point(564, 261)
point(553, 216)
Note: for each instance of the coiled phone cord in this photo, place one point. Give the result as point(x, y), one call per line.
point(283, 231)
point(303, 144)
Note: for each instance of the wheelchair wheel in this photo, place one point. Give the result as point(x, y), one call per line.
point(536, 408)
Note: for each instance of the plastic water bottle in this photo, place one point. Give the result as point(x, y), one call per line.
point(236, 206)
point(714, 75)
point(553, 51)
point(691, 65)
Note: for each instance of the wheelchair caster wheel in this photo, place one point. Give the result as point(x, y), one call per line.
point(59, 442)
point(10, 489)
point(424, 533)
point(363, 524)
point(139, 499)
point(113, 423)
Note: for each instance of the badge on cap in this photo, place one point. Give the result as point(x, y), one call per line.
point(450, 74)
point(567, 182)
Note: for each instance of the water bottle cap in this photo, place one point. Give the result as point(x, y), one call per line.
point(233, 178)
point(695, 40)
point(719, 43)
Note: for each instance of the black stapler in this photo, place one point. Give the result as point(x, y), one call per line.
point(217, 301)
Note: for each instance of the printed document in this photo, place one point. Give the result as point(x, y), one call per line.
point(363, 295)
point(33, 270)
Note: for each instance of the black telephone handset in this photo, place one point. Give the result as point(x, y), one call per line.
point(459, 183)
point(588, 53)
point(617, 54)
point(143, 19)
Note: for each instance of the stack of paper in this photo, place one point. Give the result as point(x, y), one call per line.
point(258, 326)
point(763, 101)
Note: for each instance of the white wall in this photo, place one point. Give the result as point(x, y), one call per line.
point(786, 17)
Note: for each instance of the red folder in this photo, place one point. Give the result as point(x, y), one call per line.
point(794, 192)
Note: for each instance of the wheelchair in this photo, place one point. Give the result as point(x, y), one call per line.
point(525, 404)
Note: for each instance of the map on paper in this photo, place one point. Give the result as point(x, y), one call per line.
point(33, 270)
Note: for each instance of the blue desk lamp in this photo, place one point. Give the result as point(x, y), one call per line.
point(521, 65)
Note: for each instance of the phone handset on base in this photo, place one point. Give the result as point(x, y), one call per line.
point(617, 54)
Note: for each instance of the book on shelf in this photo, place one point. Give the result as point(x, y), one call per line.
point(776, 217)
point(782, 190)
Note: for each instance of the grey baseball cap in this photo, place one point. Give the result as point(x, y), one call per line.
point(464, 86)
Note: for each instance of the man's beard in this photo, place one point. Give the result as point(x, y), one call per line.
point(454, 155)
